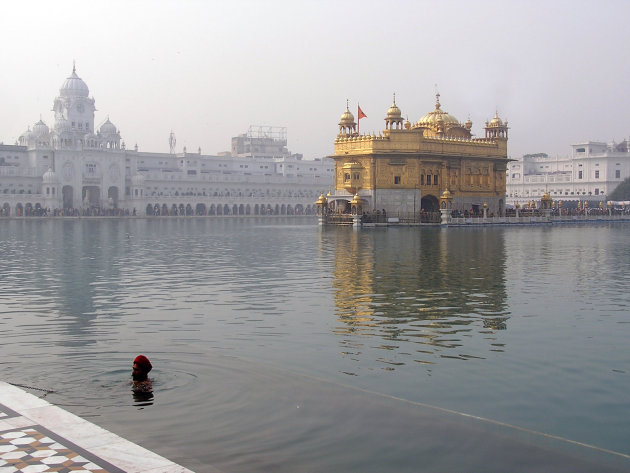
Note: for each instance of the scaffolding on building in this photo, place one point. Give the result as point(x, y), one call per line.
point(278, 133)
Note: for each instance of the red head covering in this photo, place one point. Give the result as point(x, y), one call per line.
point(143, 362)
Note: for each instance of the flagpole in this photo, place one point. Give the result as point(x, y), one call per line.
point(358, 119)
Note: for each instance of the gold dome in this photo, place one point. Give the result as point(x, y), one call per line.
point(347, 118)
point(496, 121)
point(355, 200)
point(321, 200)
point(446, 194)
point(394, 111)
point(438, 115)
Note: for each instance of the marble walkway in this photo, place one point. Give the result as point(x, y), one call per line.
point(36, 436)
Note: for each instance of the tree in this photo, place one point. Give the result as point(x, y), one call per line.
point(622, 191)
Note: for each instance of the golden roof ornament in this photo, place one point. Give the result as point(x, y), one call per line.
point(496, 121)
point(432, 118)
point(394, 111)
point(347, 118)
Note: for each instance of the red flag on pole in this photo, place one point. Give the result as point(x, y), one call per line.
point(360, 113)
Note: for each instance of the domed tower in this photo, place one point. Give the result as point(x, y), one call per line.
point(24, 137)
point(108, 135)
point(74, 108)
point(50, 189)
point(394, 120)
point(497, 128)
point(41, 135)
point(347, 125)
point(38, 137)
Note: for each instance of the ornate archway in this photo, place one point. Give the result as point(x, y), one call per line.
point(430, 203)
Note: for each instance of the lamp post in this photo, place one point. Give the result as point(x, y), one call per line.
point(446, 207)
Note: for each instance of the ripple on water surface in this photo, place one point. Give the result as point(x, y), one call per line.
point(504, 323)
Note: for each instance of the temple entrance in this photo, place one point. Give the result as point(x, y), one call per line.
point(430, 203)
point(91, 196)
point(112, 193)
point(68, 201)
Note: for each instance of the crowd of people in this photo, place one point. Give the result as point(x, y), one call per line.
point(67, 212)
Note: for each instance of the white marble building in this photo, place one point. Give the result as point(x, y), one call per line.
point(76, 167)
point(592, 172)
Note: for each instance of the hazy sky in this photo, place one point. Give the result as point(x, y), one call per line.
point(559, 71)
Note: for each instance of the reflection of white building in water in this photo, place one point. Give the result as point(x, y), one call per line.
point(75, 165)
point(592, 172)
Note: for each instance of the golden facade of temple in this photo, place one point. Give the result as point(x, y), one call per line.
point(407, 167)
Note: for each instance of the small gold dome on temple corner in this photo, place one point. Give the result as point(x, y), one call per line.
point(446, 194)
point(496, 121)
point(347, 117)
point(394, 111)
point(356, 199)
point(322, 199)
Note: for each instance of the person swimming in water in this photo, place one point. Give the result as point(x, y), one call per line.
point(142, 385)
point(141, 368)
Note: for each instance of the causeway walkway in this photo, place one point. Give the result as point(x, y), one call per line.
point(36, 436)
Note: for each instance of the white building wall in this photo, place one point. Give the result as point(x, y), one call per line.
point(81, 157)
point(603, 167)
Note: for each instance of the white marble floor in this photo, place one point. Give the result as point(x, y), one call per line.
point(36, 436)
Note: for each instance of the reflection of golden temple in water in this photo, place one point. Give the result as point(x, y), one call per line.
point(432, 288)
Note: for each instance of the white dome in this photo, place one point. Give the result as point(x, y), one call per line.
point(50, 177)
point(74, 86)
point(40, 129)
point(108, 128)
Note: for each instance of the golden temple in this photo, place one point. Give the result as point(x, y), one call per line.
point(409, 166)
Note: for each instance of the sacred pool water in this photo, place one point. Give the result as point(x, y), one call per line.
point(281, 346)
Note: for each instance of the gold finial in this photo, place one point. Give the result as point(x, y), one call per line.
point(74, 66)
point(394, 98)
point(347, 104)
point(437, 97)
